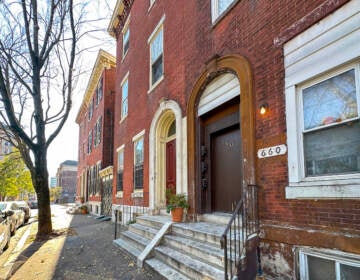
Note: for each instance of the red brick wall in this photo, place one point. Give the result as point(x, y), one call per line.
point(190, 40)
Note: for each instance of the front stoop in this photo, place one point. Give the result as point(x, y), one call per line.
point(188, 251)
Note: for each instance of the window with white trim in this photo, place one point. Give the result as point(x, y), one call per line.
point(120, 171)
point(156, 56)
point(99, 91)
point(139, 163)
point(126, 38)
point(329, 115)
point(124, 98)
point(218, 7)
point(317, 265)
point(90, 142)
point(97, 131)
point(91, 109)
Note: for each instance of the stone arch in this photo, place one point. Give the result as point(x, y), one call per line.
point(167, 112)
point(240, 66)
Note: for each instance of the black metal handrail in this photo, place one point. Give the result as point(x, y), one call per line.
point(243, 225)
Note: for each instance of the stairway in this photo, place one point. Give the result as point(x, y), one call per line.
point(186, 251)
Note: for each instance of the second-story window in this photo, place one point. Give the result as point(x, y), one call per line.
point(91, 109)
point(97, 132)
point(218, 7)
point(126, 38)
point(124, 97)
point(99, 92)
point(89, 142)
point(156, 55)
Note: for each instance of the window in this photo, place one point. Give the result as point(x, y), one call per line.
point(138, 163)
point(330, 125)
point(218, 7)
point(120, 170)
point(156, 54)
point(316, 265)
point(97, 132)
point(91, 109)
point(99, 92)
point(90, 142)
point(124, 97)
point(322, 109)
point(126, 37)
point(97, 182)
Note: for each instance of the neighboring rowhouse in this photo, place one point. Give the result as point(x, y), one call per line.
point(217, 98)
point(95, 120)
point(66, 178)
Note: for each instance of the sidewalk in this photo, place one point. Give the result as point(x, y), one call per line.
point(84, 251)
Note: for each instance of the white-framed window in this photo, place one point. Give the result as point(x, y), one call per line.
point(330, 127)
point(328, 264)
point(322, 108)
point(98, 131)
point(138, 141)
point(156, 46)
point(218, 7)
point(91, 109)
point(124, 96)
point(120, 169)
point(90, 137)
point(99, 91)
point(126, 37)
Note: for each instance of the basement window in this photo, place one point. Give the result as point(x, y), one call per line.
point(328, 264)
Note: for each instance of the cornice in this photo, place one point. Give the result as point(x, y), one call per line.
point(103, 61)
point(119, 16)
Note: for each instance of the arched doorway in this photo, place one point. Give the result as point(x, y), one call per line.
point(166, 169)
point(221, 136)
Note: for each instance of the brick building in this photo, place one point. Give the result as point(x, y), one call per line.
point(95, 120)
point(257, 101)
point(66, 179)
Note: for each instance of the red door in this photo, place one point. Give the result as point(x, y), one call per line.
point(171, 166)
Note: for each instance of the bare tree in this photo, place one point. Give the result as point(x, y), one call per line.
point(38, 41)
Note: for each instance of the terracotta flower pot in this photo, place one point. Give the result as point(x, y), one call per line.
point(177, 214)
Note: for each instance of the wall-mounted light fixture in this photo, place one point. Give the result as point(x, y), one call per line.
point(264, 108)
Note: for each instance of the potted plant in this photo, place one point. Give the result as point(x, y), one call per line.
point(176, 205)
point(83, 209)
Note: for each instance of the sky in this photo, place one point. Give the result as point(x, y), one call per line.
point(65, 146)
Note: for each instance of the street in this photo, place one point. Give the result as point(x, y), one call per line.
point(81, 248)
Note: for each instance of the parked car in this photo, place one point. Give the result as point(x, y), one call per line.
point(25, 207)
point(33, 204)
point(5, 229)
point(17, 218)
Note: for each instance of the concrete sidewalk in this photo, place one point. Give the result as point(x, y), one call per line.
point(83, 251)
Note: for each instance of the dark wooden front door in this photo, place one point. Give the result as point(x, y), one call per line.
point(226, 169)
point(171, 166)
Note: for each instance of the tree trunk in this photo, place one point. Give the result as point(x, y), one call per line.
point(41, 184)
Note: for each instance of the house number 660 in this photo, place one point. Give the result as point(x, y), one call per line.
point(272, 151)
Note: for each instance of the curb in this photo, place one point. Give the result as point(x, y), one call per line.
point(14, 262)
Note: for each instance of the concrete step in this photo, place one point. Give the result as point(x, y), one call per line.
point(135, 239)
point(207, 252)
point(155, 222)
point(192, 268)
point(165, 270)
point(126, 246)
point(145, 231)
point(202, 231)
point(216, 218)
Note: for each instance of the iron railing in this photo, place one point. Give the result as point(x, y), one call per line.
point(129, 209)
point(243, 226)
